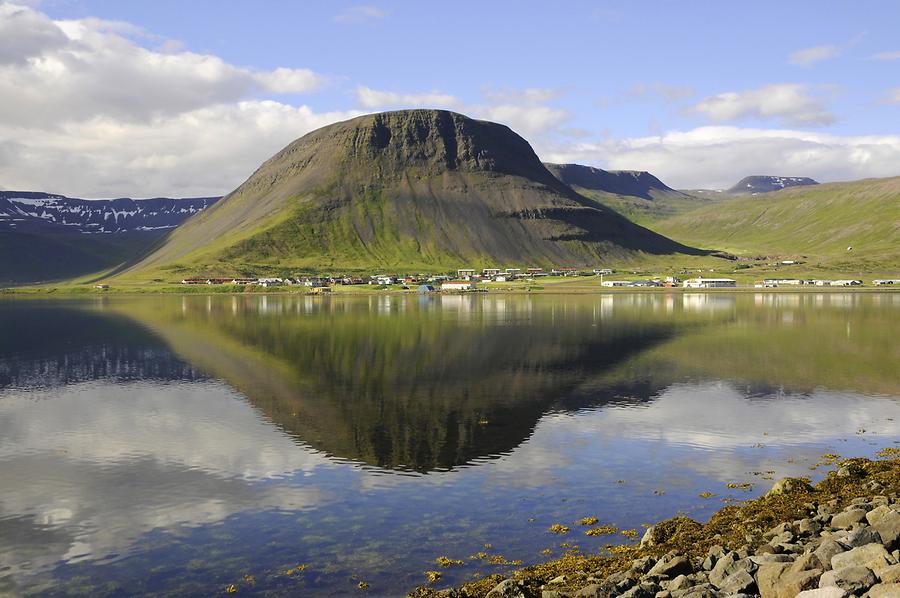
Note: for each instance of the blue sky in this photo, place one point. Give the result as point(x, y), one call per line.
point(700, 93)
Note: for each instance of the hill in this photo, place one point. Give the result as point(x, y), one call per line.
point(817, 223)
point(767, 184)
point(636, 194)
point(426, 189)
point(46, 237)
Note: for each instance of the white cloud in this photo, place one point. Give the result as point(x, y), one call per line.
point(886, 56)
point(790, 102)
point(715, 157)
point(522, 110)
point(372, 98)
point(893, 96)
point(360, 14)
point(810, 56)
point(526, 120)
point(108, 117)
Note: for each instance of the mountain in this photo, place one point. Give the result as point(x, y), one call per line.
point(31, 211)
point(636, 194)
point(765, 184)
point(46, 237)
point(816, 223)
point(636, 183)
point(425, 189)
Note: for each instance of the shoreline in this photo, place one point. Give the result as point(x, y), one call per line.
point(842, 531)
point(44, 291)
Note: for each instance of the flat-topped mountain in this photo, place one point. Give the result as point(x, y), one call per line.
point(766, 183)
point(637, 183)
point(412, 188)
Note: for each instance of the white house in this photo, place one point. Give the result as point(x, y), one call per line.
point(708, 283)
point(616, 283)
point(886, 281)
point(458, 285)
point(491, 271)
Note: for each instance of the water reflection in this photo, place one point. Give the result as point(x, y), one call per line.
point(123, 419)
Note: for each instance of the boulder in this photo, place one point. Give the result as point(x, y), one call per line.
point(508, 588)
point(671, 566)
point(827, 549)
point(888, 527)
point(793, 582)
point(851, 579)
point(885, 590)
point(890, 574)
point(829, 592)
point(789, 486)
point(728, 566)
point(861, 536)
point(846, 519)
point(875, 515)
point(739, 582)
point(873, 556)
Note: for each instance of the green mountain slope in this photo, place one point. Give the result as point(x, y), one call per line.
point(425, 189)
point(819, 222)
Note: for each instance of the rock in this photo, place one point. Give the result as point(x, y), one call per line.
point(738, 582)
point(806, 562)
point(827, 550)
point(885, 590)
point(643, 590)
point(888, 527)
point(789, 486)
point(508, 588)
point(644, 564)
point(861, 536)
point(809, 527)
point(829, 592)
point(594, 591)
point(762, 559)
point(852, 579)
point(553, 594)
point(648, 539)
point(792, 583)
point(778, 530)
point(671, 567)
point(846, 519)
point(768, 576)
point(875, 515)
point(701, 591)
point(890, 574)
point(728, 566)
point(556, 580)
point(873, 556)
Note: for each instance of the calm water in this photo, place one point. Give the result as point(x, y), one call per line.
point(175, 445)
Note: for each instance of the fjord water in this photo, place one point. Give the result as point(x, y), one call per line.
point(175, 445)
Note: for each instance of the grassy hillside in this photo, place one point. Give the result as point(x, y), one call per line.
point(422, 189)
point(815, 223)
point(35, 257)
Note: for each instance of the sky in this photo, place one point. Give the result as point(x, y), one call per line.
point(171, 98)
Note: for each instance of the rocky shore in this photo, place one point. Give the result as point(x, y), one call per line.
point(838, 539)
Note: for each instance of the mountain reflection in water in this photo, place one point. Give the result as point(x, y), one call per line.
point(125, 418)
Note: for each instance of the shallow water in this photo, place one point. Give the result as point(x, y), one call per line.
point(174, 445)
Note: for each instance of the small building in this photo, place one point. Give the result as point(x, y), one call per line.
point(269, 282)
point(709, 283)
point(491, 271)
point(195, 281)
point(102, 287)
point(886, 281)
point(457, 285)
point(512, 272)
point(846, 283)
point(383, 279)
point(534, 271)
point(564, 271)
point(425, 288)
point(241, 281)
point(616, 283)
point(602, 271)
point(465, 273)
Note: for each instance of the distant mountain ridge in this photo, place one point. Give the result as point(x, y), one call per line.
point(34, 211)
point(767, 183)
point(637, 183)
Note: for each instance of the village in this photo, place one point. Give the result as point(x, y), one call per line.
point(470, 280)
